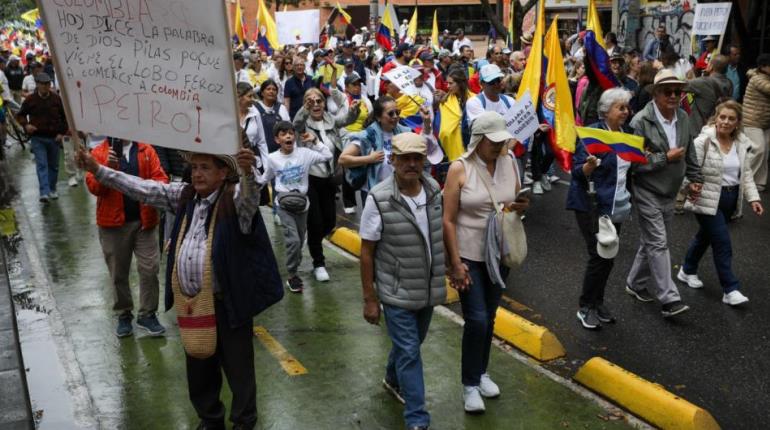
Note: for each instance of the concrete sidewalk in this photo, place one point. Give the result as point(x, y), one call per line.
point(319, 364)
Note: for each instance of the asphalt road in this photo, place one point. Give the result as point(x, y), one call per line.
point(714, 356)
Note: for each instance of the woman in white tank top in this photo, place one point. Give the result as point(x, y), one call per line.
point(467, 207)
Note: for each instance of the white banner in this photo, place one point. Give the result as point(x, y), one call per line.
point(158, 71)
point(403, 77)
point(298, 26)
point(711, 19)
point(521, 119)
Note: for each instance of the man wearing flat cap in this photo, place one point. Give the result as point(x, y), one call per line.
point(670, 158)
point(221, 272)
point(42, 116)
point(402, 268)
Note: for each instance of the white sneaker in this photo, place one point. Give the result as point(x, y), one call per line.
point(734, 298)
point(54, 195)
point(321, 275)
point(487, 387)
point(692, 281)
point(350, 210)
point(537, 188)
point(546, 183)
point(473, 401)
point(527, 179)
point(276, 220)
point(554, 178)
point(73, 181)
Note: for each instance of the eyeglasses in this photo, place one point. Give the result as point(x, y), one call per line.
point(668, 92)
point(494, 81)
point(316, 101)
point(394, 113)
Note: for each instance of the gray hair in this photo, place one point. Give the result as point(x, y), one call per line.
point(610, 98)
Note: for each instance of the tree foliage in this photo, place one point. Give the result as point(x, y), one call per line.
point(11, 9)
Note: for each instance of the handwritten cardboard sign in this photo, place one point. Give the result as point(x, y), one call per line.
point(155, 71)
point(403, 77)
point(710, 18)
point(521, 119)
point(301, 26)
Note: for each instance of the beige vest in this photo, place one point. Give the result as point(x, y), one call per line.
point(476, 205)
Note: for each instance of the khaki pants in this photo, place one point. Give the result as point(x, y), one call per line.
point(70, 165)
point(118, 245)
point(760, 140)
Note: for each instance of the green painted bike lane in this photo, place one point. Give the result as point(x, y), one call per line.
point(139, 382)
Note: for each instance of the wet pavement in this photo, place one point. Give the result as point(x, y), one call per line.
point(82, 376)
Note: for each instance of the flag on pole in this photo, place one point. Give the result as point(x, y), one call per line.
point(31, 16)
point(627, 146)
point(344, 16)
point(411, 32)
point(386, 31)
point(511, 34)
point(286, 7)
point(434, 33)
point(268, 34)
point(533, 72)
point(240, 31)
point(556, 100)
point(597, 60)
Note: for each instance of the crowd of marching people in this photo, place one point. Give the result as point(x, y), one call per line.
point(435, 177)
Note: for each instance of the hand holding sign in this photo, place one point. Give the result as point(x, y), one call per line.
point(521, 119)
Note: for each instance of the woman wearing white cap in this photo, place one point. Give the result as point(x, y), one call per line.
point(486, 168)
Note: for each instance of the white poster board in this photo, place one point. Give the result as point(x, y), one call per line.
point(297, 27)
point(403, 77)
point(521, 119)
point(158, 72)
point(711, 19)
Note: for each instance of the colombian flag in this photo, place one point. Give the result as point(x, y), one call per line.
point(434, 33)
point(240, 31)
point(556, 100)
point(410, 111)
point(344, 16)
point(627, 146)
point(268, 34)
point(448, 125)
point(386, 31)
point(597, 60)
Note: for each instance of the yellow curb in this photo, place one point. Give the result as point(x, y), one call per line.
point(7, 222)
point(350, 241)
point(645, 399)
point(535, 340)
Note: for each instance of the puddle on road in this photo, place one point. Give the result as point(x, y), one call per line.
point(51, 402)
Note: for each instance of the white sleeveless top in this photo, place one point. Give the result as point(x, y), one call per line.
point(476, 204)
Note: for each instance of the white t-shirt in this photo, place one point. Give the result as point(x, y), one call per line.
point(242, 76)
point(474, 108)
point(28, 84)
point(669, 127)
point(461, 42)
point(6, 91)
point(291, 170)
point(731, 169)
point(371, 221)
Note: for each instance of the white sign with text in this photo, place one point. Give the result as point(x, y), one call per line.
point(297, 27)
point(710, 19)
point(403, 77)
point(156, 71)
point(521, 119)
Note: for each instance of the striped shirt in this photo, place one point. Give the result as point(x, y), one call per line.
point(166, 197)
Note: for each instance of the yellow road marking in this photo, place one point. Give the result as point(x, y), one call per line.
point(516, 306)
point(287, 361)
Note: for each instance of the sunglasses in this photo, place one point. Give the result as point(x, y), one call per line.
point(668, 92)
point(394, 113)
point(495, 81)
point(316, 101)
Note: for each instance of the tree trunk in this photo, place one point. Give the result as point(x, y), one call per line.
point(518, 18)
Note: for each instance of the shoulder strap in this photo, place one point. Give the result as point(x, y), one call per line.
point(483, 100)
point(505, 101)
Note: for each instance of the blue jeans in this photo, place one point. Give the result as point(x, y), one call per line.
point(407, 330)
point(479, 306)
point(46, 151)
point(713, 231)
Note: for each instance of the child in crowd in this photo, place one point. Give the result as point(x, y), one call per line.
point(290, 167)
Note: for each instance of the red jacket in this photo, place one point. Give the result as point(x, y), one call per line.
point(109, 202)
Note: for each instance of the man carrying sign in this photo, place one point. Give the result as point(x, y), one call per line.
point(221, 272)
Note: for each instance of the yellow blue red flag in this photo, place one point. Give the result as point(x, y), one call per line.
point(556, 101)
point(386, 31)
point(597, 60)
point(267, 38)
point(240, 31)
point(627, 146)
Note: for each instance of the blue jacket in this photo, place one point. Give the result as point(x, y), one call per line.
point(244, 265)
point(605, 179)
point(371, 140)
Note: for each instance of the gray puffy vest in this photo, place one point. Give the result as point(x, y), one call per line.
point(405, 274)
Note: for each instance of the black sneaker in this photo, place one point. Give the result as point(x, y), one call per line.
point(125, 328)
point(588, 318)
point(151, 324)
point(641, 295)
point(674, 308)
point(295, 284)
point(393, 389)
point(604, 314)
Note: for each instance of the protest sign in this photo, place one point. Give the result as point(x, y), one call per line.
point(158, 71)
point(521, 119)
point(403, 77)
point(298, 26)
point(710, 19)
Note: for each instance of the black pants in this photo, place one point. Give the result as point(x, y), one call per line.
point(542, 156)
point(348, 195)
point(322, 216)
point(598, 268)
point(235, 355)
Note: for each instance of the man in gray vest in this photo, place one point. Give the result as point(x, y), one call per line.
point(401, 229)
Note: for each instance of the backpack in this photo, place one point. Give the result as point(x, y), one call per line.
point(465, 125)
point(268, 122)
